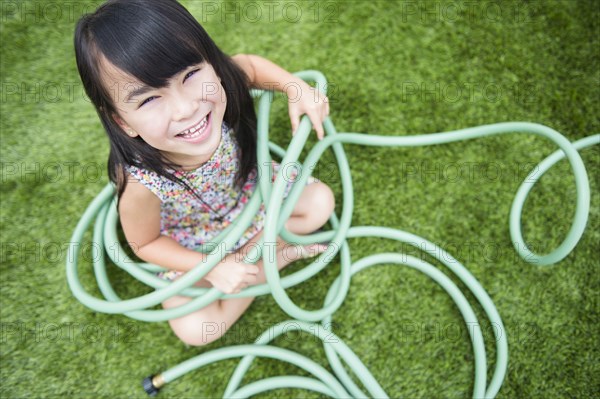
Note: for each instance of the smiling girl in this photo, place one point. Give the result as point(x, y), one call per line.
point(182, 131)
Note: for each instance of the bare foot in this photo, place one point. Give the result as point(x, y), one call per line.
point(288, 254)
point(296, 252)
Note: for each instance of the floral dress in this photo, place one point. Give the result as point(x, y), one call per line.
point(193, 220)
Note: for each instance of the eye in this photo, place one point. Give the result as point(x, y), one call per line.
point(146, 101)
point(190, 73)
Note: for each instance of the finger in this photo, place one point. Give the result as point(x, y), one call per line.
point(230, 290)
point(252, 269)
point(249, 280)
point(320, 132)
point(295, 119)
point(318, 125)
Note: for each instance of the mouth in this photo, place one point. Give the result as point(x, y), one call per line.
point(198, 132)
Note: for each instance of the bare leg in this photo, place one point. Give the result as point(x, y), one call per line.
point(211, 322)
point(313, 209)
point(208, 324)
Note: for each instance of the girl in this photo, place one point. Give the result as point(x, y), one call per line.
point(182, 131)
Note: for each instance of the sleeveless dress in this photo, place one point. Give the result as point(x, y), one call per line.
point(194, 220)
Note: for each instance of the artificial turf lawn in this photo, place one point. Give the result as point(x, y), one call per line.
point(395, 68)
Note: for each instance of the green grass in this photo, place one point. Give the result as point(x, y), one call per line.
point(395, 69)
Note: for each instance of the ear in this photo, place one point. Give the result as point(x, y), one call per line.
point(124, 126)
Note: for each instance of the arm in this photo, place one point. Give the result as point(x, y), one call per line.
point(302, 98)
point(139, 211)
point(263, 74)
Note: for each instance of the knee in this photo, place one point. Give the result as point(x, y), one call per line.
point(323, 201)
point(198, 335)
point(191, 341)
point(196, 340)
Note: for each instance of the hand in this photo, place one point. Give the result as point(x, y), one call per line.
point(307, 100)
point(230, 277)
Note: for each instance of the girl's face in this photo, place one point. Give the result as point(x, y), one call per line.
point(182, 120)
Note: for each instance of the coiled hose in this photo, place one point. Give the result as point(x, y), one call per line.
point(318, 322)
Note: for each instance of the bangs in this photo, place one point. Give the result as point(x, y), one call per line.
point(151, 44)
point(152, 41)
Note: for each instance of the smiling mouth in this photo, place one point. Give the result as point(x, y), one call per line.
point(197, 130)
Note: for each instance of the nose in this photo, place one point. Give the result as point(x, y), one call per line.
point(183, 106)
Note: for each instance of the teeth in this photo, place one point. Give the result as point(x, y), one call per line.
point(196, 130)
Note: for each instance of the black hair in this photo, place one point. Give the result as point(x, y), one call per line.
point(153, 40)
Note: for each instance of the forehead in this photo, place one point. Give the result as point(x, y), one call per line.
point(118, 82)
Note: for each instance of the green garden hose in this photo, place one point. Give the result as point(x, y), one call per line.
point(338, 384)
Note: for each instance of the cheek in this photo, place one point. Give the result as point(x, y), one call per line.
point(217, 94)
point(154, 125)
point(223, 97)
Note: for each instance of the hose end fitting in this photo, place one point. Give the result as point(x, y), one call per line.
point(152, 384)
